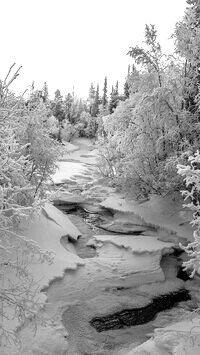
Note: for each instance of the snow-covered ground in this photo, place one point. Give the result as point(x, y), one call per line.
point(66, 171)
point(157, 211)
point(177, 339)
point(47, 229)
point(84, 288)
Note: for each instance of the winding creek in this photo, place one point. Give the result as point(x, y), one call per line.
point(105, 309)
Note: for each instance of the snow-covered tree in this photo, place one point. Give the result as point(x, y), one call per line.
point(191, 174)
point(27, 159)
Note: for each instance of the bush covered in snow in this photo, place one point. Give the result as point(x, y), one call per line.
point(191, 174)
point(27, 160)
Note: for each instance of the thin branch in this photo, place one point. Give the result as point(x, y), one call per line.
point(4, 82)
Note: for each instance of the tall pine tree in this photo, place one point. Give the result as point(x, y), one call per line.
point(58, 110)
point(95, 106)
point(127, 85)
point(114, 98)
point(105, 97)
point(45, 92)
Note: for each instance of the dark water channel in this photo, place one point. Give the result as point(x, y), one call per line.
point(137, 316)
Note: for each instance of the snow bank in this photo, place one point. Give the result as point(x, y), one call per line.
point(62, 220)
point(116, 203)
point(138, 244)
point(48, 340)
point(46, 229)
point(179, 338)
point(135, 260)
point(69, 198)
point(158, 211)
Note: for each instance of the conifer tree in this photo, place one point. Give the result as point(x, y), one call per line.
point(68, 103)
point(45, 92)
point(58, 110)
point(91, 97)
point(117, 88)
point(127, 84)
point(114, 98)
point(95, 106)
point(92, 93)
point(105, 90)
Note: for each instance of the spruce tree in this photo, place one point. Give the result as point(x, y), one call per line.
point(95, 106)
point(127, 85)
point(45, 92)
point(68, 106)
point(187, 36)
point(105, 90)
point(91, 98)
point(58, 110)
point(114, 98)
point(92, 93)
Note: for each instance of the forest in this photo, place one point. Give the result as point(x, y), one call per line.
point(147, 138)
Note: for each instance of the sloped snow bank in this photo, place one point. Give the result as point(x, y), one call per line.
point(176, 339)
point(47, 340)
point(158, 211)
point(69, 198)
point(136, 259)
point(138, 244)
point(46, 229)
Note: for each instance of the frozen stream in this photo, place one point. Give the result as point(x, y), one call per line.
point(93, 290)
point(116, 275)
point(116, 271)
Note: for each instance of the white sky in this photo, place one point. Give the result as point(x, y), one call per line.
point(76, 42)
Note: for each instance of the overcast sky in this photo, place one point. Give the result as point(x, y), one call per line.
point(75, 42)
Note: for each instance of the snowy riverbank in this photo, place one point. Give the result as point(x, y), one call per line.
point(130, 265)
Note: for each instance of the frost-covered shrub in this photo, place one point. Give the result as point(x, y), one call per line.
point(91, 128)
point(191, 174)
point(27, 159)
point(86, 126)
point(42, 151)
point(68, 131)
point(54, 129)
point(107, 159)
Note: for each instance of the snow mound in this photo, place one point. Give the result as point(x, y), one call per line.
point(48, 340)
point(46, 229)
point(132, 260)
point(138, 244)
point(117, 203)
point(62, 220)
point(68, 198)
point(179, 338)
point(118, 226)
point(158, 211)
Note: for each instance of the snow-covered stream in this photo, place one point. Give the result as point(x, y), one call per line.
point(110, 282)
point(112, 255)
